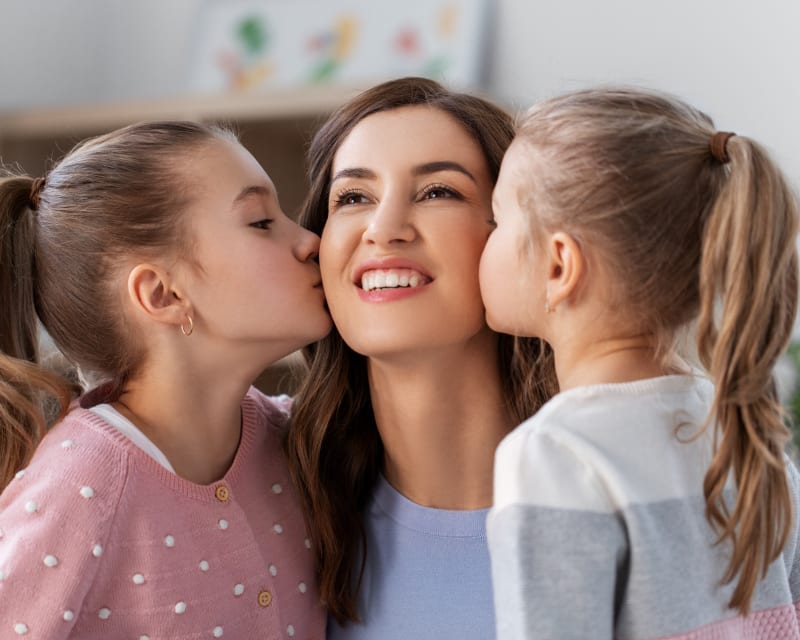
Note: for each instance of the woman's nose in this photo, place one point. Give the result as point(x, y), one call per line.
point(389, 222)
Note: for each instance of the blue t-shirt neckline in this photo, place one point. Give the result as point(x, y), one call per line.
point(446, 523)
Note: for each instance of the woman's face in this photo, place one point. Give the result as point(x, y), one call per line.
point(409, 212)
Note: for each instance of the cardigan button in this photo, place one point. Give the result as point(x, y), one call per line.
point(265, 598)
point(222, 493)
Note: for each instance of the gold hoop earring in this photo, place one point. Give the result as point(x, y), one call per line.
point(188, 332)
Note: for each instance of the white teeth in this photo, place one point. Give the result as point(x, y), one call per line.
point(391, 279)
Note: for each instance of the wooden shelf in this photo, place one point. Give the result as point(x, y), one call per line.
point(83, 119)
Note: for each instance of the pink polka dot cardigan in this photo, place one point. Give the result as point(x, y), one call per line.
point(97, 540)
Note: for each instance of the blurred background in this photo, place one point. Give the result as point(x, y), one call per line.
point(276, 68)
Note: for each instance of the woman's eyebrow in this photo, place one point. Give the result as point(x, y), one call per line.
point(353, 172)
point(442, 165)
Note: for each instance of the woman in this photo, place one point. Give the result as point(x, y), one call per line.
point(396, 426)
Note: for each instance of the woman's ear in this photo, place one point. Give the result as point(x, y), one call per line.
point(566, 268)
point(153, 293)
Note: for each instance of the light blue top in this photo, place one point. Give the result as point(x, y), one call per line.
point(427, 574)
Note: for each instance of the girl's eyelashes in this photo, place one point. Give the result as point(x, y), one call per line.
point(262, 224)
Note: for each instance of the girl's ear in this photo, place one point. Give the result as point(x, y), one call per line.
point(153, 293)
point(566, 268)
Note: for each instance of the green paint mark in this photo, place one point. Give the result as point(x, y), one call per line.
point(252, 32)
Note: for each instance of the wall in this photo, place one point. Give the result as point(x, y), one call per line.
point(734, 59)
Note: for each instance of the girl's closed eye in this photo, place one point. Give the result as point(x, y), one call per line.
point(439, 192)
point(263, 224)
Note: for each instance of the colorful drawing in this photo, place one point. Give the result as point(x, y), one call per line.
point(334, 47)
point(249, 45)
point(246, 65)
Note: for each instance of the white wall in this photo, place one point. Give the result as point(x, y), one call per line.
point(737, 60)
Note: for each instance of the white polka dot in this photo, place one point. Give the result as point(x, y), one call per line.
point(144, 637)
point(104, 613)
point(169, 541)
point(18, 475)
point(290, 631)
point(1, 533)
point(278, 528)
point(67, 444)
point(97, 550)
point(217, 632)
point(302, 587)
point(273, 570)
point(180, 607)
point(238, 589)
point(21, 628)
point(2, 576)
point(223, 524)
point(31, 506)
point(87, 492)
point(277, 488)
point(68, 616)
point(308, 543)
point(203, 565)
point(50, 561)
point(138, 578)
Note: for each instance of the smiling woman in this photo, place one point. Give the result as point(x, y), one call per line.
point(395, 428)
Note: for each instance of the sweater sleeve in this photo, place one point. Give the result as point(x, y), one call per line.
point(55, 518)
point(792, 551)
point(557, 545)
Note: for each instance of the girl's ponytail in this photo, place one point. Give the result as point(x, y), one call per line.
point(24, 386)
point(748, 299)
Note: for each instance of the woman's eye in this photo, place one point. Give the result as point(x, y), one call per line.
point(438, 192)
point(350, 198)
point(262, 224)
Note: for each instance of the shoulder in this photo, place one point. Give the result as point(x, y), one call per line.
point(80, 461)
point(272, 411)
point(543, 462)
point(58, 512)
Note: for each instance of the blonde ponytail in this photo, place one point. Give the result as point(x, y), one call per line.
point(748, 300)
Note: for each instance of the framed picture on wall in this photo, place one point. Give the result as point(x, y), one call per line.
point(261, 45)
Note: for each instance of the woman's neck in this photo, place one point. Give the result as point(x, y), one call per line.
point(195, 423)
point(441, 420)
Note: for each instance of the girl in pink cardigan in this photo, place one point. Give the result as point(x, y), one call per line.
point(159, 504)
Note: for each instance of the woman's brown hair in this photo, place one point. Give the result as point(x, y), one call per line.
point(694, 225)
point(61, 240)
point(335, 450)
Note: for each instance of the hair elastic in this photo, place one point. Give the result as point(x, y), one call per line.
point(36, 191)
point(718, 145)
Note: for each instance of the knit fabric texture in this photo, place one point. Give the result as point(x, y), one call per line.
point(97, 540)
